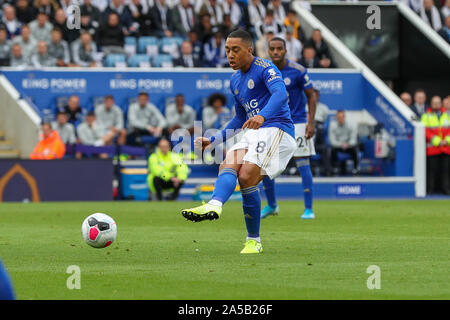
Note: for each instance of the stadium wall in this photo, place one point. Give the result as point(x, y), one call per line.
point(56, 180)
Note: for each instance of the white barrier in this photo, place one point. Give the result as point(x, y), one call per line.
point(18, 119)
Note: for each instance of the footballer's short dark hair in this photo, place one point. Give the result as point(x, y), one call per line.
point(242, 34)
point(278, 39)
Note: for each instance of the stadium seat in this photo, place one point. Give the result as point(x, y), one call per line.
point(148, 45)
point(163, 60)
point(130, 45)
point(170, 46)
point(139, 60)
point(114, 59)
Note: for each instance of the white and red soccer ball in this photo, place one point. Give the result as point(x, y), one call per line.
point(99, 230)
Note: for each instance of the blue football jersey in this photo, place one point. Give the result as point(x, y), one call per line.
point(252, 91)
point(297, 80)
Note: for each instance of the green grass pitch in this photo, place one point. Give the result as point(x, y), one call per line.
point(160, 255)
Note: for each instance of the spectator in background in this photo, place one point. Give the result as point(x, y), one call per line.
point(343, 138)
point(436, 142)
point(17, 59)
point(90, 134)
point(65, 129)
point(431, 15)
point(59, 49)
point(293, 46)
point(183, 18)
point(256, 12)
point(41, 28)
point(10, 21)
point(111, 35)
point(49, 7)
point(269, 23)
point(197, 47)
point(110, 120)
point(83, 51)
point(445, 31)
point(233, 11)
point(227, 26)
point(73, 110)
point(419, 107)
point(445, 127)
point(204, 28)
point(309, 59)
point(180, 115)
point(321, 117)
point(162, 17)
point(125, 17)
point(216, 115)
point(445, 10)
point(186, 58)
point(262, 44)
point(144, 119)
point(291, 20)
point(26, 42)
point(214, 9)
point(406, 98)
point(214, 54)
point(322, 51)
point(60, 22)
point(41, 58)
point(25, 12)
point(5, 47)
point(167, 171)
point(87, 25)
point(89, 9)
point(50, 145)
point(278, 10)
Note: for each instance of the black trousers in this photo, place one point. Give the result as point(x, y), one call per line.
point(353, 151)
point(161, 185)
point(438, 174)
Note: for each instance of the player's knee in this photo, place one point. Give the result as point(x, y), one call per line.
point(245, 179)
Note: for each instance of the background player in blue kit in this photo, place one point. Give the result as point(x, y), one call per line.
point(299, 89)
point(262, 110)
point(6, 288)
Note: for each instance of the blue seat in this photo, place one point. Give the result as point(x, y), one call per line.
point(148, 45)
point(113, 58)
point(136, 60)
point(170, 46)
point(163, 60)
point(130, 45)
point(130, 41)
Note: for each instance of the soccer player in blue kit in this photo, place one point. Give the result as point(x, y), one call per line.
point(267, 144)
point(299, 89)
point(6, 288)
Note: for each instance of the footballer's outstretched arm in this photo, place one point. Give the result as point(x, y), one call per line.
point(234, 124)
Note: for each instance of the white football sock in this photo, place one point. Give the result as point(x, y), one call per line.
point(256, 239)
point(215, 203)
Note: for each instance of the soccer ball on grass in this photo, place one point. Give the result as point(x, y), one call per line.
point(99, 230)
